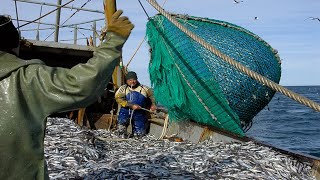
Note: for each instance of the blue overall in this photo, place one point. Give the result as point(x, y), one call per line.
point(139, 117)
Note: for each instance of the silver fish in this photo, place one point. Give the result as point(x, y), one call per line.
point(72, 152)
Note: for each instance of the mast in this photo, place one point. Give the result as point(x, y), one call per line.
point(110, 8)
point(56, 35)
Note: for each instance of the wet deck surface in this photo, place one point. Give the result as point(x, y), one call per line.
point(72, 152)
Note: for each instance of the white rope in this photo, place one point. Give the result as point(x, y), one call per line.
point(130, 121)
point(165, 127)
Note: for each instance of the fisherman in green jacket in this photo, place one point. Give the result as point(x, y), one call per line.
point(30, 91)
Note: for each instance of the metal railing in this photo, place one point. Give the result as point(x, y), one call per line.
point(92, 33)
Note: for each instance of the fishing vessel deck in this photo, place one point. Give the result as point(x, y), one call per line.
point(67, 55)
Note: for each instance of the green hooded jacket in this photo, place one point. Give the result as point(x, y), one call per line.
point(30, 91)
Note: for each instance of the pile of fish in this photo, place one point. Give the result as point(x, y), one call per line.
point(72, 152)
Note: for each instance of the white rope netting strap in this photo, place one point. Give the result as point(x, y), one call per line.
point(265, 81)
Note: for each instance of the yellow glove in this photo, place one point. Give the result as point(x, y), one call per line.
point(120, 25)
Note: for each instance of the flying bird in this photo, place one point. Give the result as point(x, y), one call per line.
point(313, 18)
point(236, 2)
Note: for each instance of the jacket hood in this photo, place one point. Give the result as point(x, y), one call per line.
point(10, 63)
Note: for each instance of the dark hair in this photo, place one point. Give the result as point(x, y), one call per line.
point(9, 36)
point(131, 75)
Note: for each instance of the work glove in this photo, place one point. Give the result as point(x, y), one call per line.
point(120, 25)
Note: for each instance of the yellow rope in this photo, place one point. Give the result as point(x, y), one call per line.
point(265, 81)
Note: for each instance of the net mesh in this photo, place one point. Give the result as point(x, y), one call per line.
point(194, 83)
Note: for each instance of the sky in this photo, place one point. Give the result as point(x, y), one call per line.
point(284, 24)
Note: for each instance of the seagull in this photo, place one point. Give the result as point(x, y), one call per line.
point(314, 18)
point(236, 2)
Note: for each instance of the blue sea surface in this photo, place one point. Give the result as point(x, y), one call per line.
point(288, 124)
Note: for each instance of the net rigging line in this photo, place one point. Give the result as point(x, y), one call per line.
point(144, 36)
point(265, 81)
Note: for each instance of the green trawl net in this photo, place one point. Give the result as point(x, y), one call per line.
point(194, 83)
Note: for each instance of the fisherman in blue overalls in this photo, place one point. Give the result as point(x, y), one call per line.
point(132, 97)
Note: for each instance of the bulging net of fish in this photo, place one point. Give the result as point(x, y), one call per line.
point(194, 83)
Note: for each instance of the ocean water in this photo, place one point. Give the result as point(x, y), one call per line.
point(288, 124)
